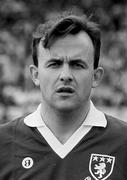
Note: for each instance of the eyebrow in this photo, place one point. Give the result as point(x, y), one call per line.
point(70, 61)
point(54, 60)
point(78, 61)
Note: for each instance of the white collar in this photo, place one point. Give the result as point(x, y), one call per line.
point(94, 118)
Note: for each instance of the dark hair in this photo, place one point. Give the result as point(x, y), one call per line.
point(70, 24)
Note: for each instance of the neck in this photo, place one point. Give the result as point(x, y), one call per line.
point(64, 124)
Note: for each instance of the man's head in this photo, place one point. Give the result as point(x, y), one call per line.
point(66, 57)
point(54, 29)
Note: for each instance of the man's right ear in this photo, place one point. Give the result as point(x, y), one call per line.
point(34, 74)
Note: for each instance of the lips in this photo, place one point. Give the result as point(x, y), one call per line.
point(66, 89)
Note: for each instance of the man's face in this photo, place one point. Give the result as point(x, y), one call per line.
point(65, 72)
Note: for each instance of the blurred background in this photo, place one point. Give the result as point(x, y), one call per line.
point(18, 18)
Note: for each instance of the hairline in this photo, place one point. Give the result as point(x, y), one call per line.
point(85, 27)
point(63, 36)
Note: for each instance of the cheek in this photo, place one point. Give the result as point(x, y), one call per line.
point(84, 84)
point(43, 80)
point(46, 82)
point(85, 79)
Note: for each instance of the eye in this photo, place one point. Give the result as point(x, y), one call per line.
point(77, 65)
point(54, 64)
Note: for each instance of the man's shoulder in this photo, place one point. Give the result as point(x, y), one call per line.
point(7, 130)
point(116, 125)
point(115, 121)
point(11, 123)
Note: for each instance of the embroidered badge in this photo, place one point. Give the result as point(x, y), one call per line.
point(101, 166)
point(27, 162)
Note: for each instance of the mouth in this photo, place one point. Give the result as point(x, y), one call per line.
point(65, 90)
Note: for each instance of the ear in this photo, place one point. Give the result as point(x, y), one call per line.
point(34, 74)
point(97, 77)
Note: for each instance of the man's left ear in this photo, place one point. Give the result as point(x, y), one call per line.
point(97, 77)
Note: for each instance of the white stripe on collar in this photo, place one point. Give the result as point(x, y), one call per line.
point(94, 118)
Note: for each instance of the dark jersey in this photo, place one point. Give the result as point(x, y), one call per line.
point(100, 155)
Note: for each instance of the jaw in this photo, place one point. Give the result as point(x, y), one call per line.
point(68, 105)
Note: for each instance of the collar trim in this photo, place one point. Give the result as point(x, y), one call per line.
point(94, 118)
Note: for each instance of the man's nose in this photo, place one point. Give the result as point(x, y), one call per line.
point(66, 74)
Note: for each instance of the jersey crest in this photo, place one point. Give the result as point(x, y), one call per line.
point(101, 166)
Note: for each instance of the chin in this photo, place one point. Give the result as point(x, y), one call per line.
point(66, 107)
point(66, 110)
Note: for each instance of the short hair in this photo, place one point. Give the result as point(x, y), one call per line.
point(62, 26)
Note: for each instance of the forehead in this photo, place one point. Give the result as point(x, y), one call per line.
point(71, 46)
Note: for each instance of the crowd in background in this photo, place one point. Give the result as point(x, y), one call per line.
point(18, 96)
